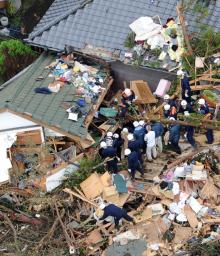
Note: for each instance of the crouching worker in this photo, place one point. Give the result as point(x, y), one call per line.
point(133, 163)
point(105, 211)
point(108, 154)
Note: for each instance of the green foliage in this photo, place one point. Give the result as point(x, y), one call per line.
point(206, 249)
point(205, 44)
point(130, 40)
point(12, 48)
point(85, 170)
point(11, 10)
point(211, 95)
point(173, 88)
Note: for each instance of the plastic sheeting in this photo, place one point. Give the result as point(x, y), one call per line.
point(6, 141)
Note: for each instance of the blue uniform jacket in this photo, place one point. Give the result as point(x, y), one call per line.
point(108, 152)
point(158, 129)
point(114, 211)
point(117, 143)
point(133, 160)
point(204, 109)
point(175, 133)
point(139, 133)
point(134, 145)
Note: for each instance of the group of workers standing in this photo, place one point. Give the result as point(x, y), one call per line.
point(139, 139)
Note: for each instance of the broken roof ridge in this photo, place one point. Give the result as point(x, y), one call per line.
point(57, 20)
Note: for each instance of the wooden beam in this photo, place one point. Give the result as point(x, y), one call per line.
point(204, 87)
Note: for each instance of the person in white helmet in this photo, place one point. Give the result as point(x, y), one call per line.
point(166, 111)
point(133, 163)
point(117, 144)
point(109, 154)
point(186, 109)
point(185, 86)
point(105, 211)
point(204, 110)
point(150, 139)
point(139, 133)
point(135, 145)
point(127, 98)
point(109, 139)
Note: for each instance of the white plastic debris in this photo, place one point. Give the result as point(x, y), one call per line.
point(194, 204)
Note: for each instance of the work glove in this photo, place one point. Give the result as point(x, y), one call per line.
point(186, 113)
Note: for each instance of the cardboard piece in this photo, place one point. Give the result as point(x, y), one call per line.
point(118, 200)
point(182, 234)
point(106, 179)
point(94, 237)
point(191, 216)
point(146, 214)
point(92, 186)
point(109, 191)
point(157, 209)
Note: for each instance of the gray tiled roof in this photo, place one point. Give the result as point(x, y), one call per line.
point(103, 23)
point(18, 95)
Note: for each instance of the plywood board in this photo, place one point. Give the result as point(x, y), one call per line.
point(143, 92)
point(191, 216)
point(92, 186)
point(109, 191)
point(106, 179)
point(29, 138)
point(118, 200)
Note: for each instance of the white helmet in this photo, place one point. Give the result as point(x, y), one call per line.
point(166, 97)
point(183, 103)
point(180, 72)
point(127, 151)
point(167, 107)
point(102, 206)
point(125, 129)
point(127, 92)
point(172, 118)
point(201, 102)
point(142, 123)
point(135, 123)
point(109, 134)
point(103, 145)
point(130, 136)
point(115, 135)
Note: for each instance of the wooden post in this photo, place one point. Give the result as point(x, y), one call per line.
point(180, 13)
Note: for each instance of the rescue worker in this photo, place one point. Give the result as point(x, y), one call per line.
point(168, 100)
point(104, 211)
point(150, 139)
point(109, 154)
point(166, 111)
point(117, 144)
point(135, 145)
point(124, 136)
point(109, 139)
point(139, 133)
point(127, 98)
point(186, 109)
point(133, 163)
point(174, 136)
point(204, 110)
point(159, 130)
point(185, 86)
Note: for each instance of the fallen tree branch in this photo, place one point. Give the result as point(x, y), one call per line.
point(51, 231)
point(67, 237)
point(7, 220)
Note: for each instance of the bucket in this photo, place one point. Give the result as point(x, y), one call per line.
point(4, 21)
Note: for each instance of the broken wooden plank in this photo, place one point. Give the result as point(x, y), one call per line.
point(69, 191)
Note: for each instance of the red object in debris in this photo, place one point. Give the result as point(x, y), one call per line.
point(21, 218)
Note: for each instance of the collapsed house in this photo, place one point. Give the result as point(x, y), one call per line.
point(43, 105)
